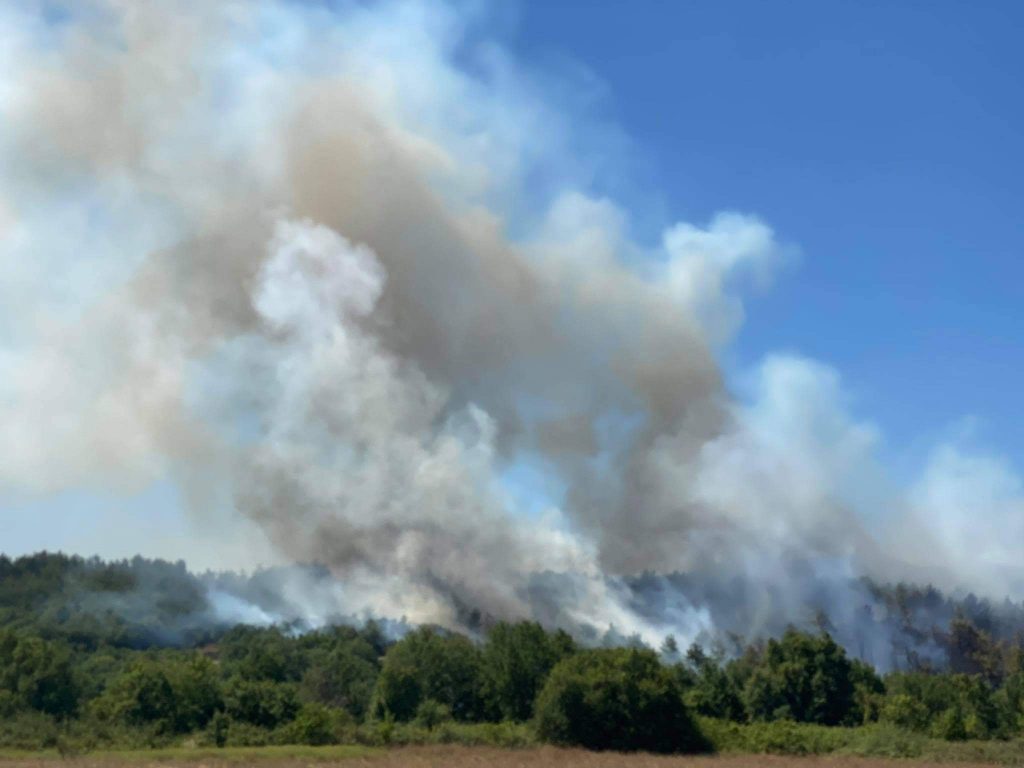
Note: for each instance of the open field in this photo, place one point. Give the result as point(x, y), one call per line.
point(452, 757)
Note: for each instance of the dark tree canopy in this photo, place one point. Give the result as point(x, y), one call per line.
point(125, 654)
point(616, 699)
point(802, 677)
point(430, 664)
point(516, 660)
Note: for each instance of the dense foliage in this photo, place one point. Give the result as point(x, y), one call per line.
point(619, 699)
point(75, 672)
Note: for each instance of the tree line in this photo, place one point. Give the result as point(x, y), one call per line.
point(262, 685)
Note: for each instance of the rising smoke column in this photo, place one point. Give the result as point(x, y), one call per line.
point(336, 285)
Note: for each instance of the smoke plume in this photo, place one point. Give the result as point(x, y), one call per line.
point(341, 276)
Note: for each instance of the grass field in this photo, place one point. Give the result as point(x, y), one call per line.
point(775, 745)
point(349, 755)
point(451, 756)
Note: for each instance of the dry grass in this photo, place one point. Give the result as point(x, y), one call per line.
point(442, 757)
point(549, 757)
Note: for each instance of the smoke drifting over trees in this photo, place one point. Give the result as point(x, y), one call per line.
point(85, 663)
point(339, 274)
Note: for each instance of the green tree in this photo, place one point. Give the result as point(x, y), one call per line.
point(802, 677)
point(948, 705)
point(516, 660)
point(197, 692)
point(37, 674)
point(398, 692)
point(973, 652)
point(868, 693)
point(712, 691)
point(261, 654)
point(670, 648)
point(616, 699)
point(340, 678)
point(430, 664)
point(142, 695)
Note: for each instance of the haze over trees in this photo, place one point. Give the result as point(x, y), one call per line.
point(69, 670)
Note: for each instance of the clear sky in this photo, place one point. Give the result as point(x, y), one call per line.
point(883, 138)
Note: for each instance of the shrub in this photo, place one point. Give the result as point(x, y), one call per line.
point(316, 725)
point(28, 730)
point(242, 734)
point(905, 711)
point(952, 707)
point(505, 735)
point(780, 737)
point(950, 725)
point(431, 714)
point(618, 699)
point(260, 702)
point(219, 725)
point(886, 740)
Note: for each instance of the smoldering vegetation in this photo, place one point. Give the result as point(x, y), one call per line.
point(142, 603)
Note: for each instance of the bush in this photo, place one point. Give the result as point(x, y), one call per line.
point(904, 711)
point(431, 714)
point(784, 737)
point(260, 702)
point(951, 707)
point(507, 735)
point(317, 725)
point(950, 725)
point(220, 723)
point(882, 740)
point(242, 734)
point(618, 699)
point(781, 737)
point(28, 730)
point(886, 740)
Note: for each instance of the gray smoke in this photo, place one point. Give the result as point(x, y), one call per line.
point(341, 289)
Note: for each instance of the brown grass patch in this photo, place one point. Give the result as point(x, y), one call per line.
point(550, 757)
point(446, 757)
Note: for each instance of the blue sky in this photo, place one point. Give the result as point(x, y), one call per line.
point(882, 138)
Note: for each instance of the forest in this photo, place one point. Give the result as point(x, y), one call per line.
point(87, 661)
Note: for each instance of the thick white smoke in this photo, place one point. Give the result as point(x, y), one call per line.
point(337, 272)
